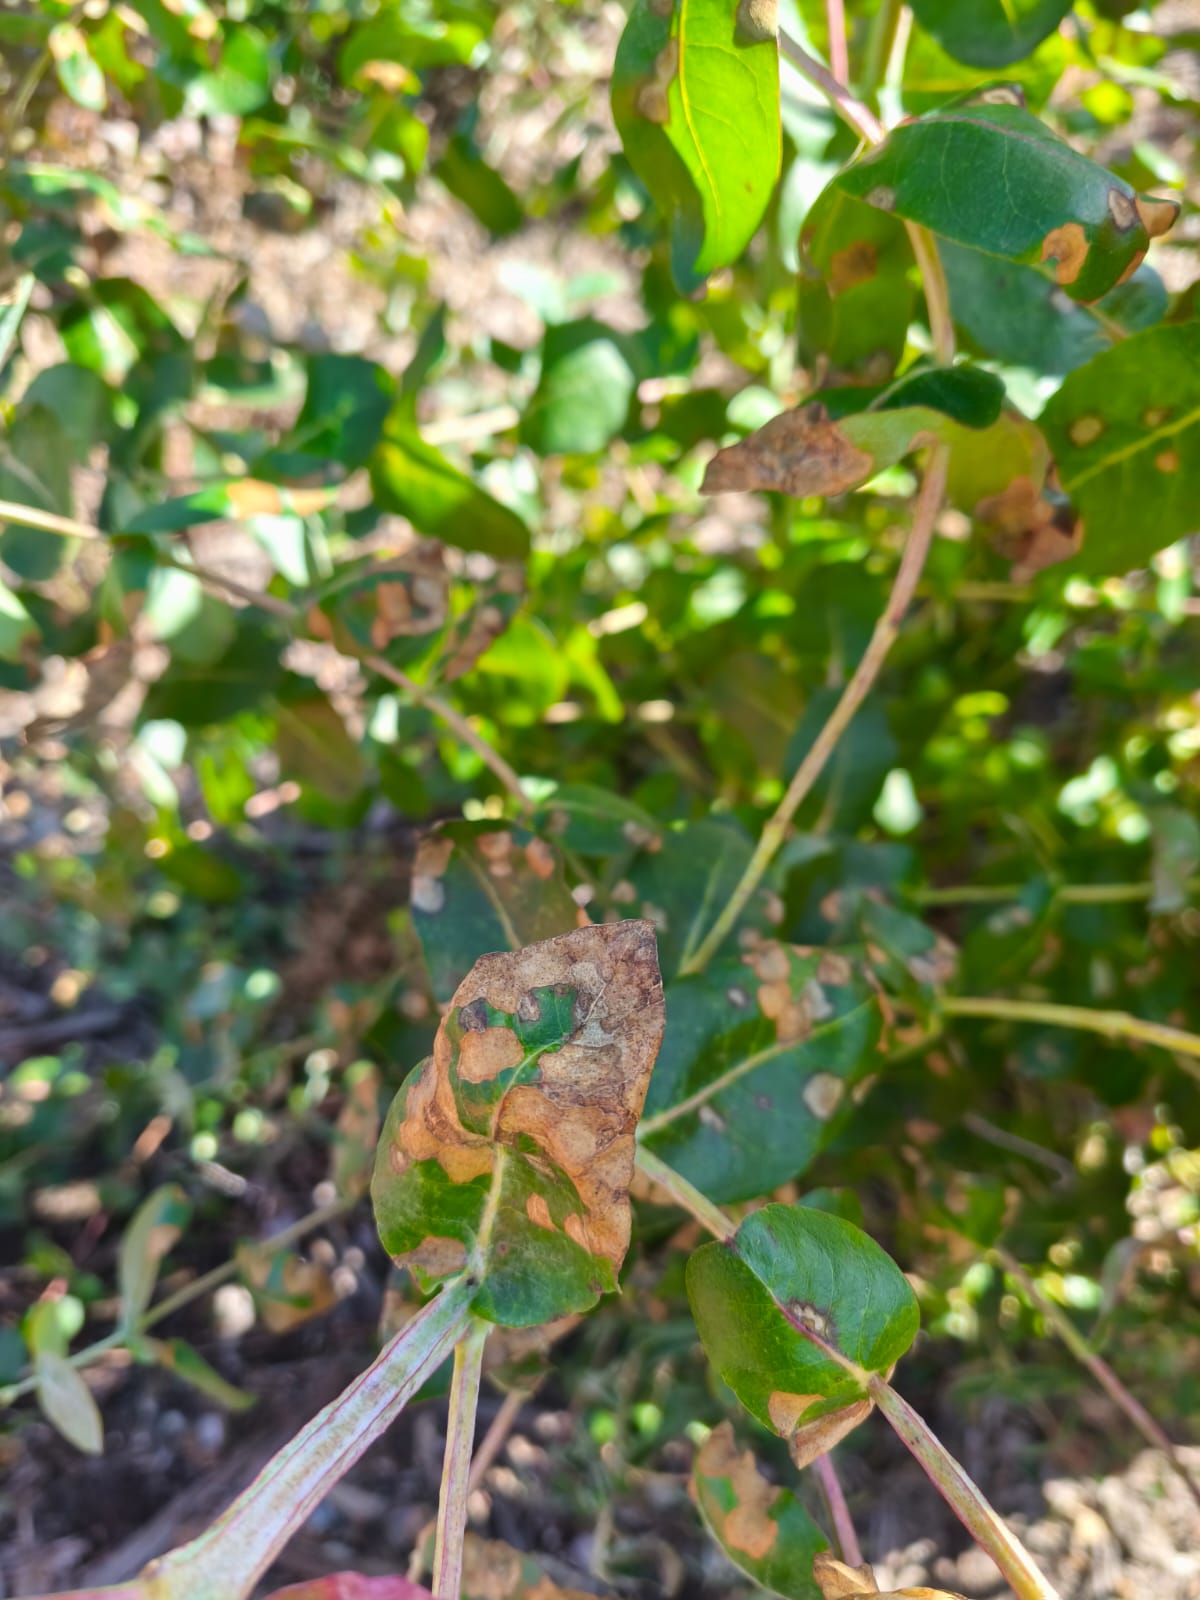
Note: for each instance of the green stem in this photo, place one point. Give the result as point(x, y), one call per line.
point(1104, 1375)
point(825, 1472)
point(456, 1465)
point(685, 1194)
point(227, 1560)
point(1112, 1024)
point(963, 1496)
point(1071, 894)
point(887, 630)
point(879, 47)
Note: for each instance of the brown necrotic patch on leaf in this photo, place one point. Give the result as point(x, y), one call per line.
point(758, 20)
point(822, 1094)
point(747, 1526)
point(1067, 247)
point(579, 1114)
point(1085, 429)
point(1167, 461)
point(812, 1439)
point(1158, 216)
point(853, 265)
point(483, 1056)
point(651, 100)
point(1122, 209)
point(837, 1581)
point(799, 453)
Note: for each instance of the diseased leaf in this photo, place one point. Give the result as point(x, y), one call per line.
point(67, 1402)
point(1018, 315)
point(807, 452)
point(756, 1066)
point(187, 1363)
point(316, 748)
point(836, 1581)
point(235, 499)
point(855, 298)
point(796, 1312)
point(510, 1151)
point(594, 822)
point(695, 95)
point(493, 1570)
point(475, 888)
point(991, 176)
point(154, 1228)
point(287, 1290)
point(990, 33)
point(762, 1527)
point(1125, 433)
point(352, 1586)
point(357, 1131)
point(415, 479)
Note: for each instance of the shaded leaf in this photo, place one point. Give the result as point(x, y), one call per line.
point(509, 1152)
point(493, 1570)
point(287, 1290)
point(317, 750)
point(357, 1131)
point(595, 822)
point(346, 402)
point(479, 186)
point(415, 479)
point(1125, 433)
point(352, 1586)
point(837, 1581)
point(236, 499)
point(854, 298)
point(214, 691)
point(755, 1067)
point(796, 1312)
point(67, 1402)
point(1018, 315)
point(583, 394)
point(475, 888)
point(762, 1528)
point(77, 71)
point(695, 96)
point(153, 1230)
point(179, 1357)
point(990, 33)
point(17, 627)
point(993, 177)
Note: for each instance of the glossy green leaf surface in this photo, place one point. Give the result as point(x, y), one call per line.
point(761, 1526)
point(1125, 433)
point(993, 177)
point(990, 33)
point(696, 102)
point(790, 1272)
point(509, 1153)
point(756, 1066)
point(1018, 315)
point(415, 479)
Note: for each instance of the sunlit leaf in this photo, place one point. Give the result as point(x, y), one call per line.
point(152, 1231)
point(67, 1402)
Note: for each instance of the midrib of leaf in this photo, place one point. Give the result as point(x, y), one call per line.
point(860, 1374)
point(1146, 442)
point(497, 905)
point(685, 101)
point(727, 1079)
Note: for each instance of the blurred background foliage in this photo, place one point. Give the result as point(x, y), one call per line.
point(360, 310)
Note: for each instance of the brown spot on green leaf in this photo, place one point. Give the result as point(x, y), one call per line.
point(1122, 209)
point(651, 99)
point(747, 1526)
point(758, 19)
point(822, 1094)
point(1167, 461)
point(1155, 416)
point(1085, 430)
point(1067, 247)
point(855, 264)
point(812, 1439)
point(799, 453)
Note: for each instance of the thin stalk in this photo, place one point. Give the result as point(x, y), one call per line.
point(963, 1497)
point(858, 117)
point(839, 61)
point(227, 1560)
point(887, 630)
point(456, 1465)
point(1104, 1375)
point(879, 47)
point(685, 1194)
point(1112, 1024)
point(849, 1549)
point(1071, 894)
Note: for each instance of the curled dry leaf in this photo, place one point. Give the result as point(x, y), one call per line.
point(837, 1581)
point(798, 453)
point(510, 1151)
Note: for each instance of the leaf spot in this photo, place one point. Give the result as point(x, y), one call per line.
point(540, 858)
point(822, 1094)
point(1155, 416)
point(484, 1056)
point(748, 1525)
point(881, 197)
point(1158, 216)
point(1067, 247)
point(538, 1212)
point(758, 19)
point(785, 1410)
point(427, 895)
point(855, 264)
point(1085, 430)
point(651, 100)
point(1122, 209)
point(1167, 461)
point(737, 997)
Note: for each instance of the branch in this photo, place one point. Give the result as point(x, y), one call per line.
point(886, 632)
point(685, 1195)
point(1112, 1024)
point(456, 1465)
point(1071, 894)
point(839, 1512)
point(839, 62)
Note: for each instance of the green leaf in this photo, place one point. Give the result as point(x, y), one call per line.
point(796, 1312)
point(415, 479)
point(582, 398)
point(153, 1229)
point(179, 1357)
point(77, 72)
point(316, 749)
point(808, 452)
point(756, 1065)
point(198, 693)
point(1017, 315)
point(696, 101)
point(1125, 434)
point(17, 627)
point(477, 887)
point(241, 80)
point(990, 33)
point(479, 186)
point(67, 1402)
point(12, 313)
point(855, 299)
point(762, 1528)
point(993, 177)
point(594, 822)
point(346, 402)
point(509, 1152)
point(237, 499)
